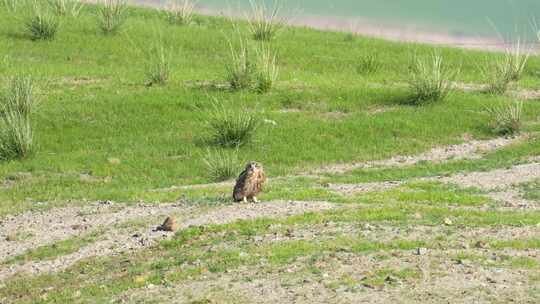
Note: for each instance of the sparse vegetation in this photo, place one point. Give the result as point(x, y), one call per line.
point(16, 135)
point(265, 22)
point(222, 164)
point(240, 67)
point(158, 67)
point(507, 69)
point(506, 119)
point(112, 15)
point(231, 127)
point(180, 12)
point(42, 24)
point(430, 79)
point(267, 69)
point(12, 6)
point(70, 8)
point(369, 64)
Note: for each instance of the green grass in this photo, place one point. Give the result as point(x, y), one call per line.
point(95, 106)
point(54, 250)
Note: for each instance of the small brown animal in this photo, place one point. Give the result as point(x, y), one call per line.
point(249, 183)
point(168, 225)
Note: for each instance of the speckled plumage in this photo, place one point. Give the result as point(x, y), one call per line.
point(249, 182)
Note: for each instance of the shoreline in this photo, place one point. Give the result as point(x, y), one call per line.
point(365, 27)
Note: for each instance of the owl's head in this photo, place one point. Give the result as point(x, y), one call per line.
point(253, 166)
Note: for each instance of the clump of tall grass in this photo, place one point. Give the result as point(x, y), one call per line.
point(221, 165)
point(368, 64)
point(231, 127)
point(241, 68)
point(502, 72)
point(267, 69)
point(158, 67)
point(180, 12)
point(42, 24)
point(506, 119)
point(265, 22)
point(112, 15)
point(17, 104)
point(430, 79)
point(66, 7)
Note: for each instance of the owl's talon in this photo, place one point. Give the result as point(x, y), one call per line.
point(245, 200)
point(255, 200)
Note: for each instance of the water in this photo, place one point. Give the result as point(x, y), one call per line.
point(457, 20)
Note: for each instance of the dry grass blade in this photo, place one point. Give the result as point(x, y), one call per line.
point(180, 12)
point(506, 119)
point(430, 79)
point(267, 68)
point(240, 69)
point(112, 15)
point(265, 22)
point(67, 7)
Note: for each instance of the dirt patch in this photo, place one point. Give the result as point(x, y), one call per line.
point(496, 179)
point(501, 183)
point(397, 277)
point(117, 240)
point(470, 150)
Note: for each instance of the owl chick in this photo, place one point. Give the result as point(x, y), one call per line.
point(249, 183)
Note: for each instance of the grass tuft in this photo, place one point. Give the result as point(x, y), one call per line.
point(267, 69)
point(221, 165)
point(112, 15)
point(506, 119)
point(502, 72)
point(158, 68)
point(16, 135)
point(430, 80)
point(231, 127)
point(240, 69)
point(180, 12)
point(42, 24)
point(369, 64)
point(265, 22)
point(66, 7)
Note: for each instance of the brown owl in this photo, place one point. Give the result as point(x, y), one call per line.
point(249, 183)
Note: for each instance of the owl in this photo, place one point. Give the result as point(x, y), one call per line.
point(249, 183)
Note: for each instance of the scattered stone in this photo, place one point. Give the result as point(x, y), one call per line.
point(105, 202)
point(420, 251)
point(168, 225)
point(480, 244)
point(448, 222)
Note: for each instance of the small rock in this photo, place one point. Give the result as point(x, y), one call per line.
point(448, 222)
point(168, 225)
point(420, 251)
point(480, 244)
point(105, 202)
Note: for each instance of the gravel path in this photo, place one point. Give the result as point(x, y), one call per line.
point(118, 239)
point(500, 182)
point(473, 149)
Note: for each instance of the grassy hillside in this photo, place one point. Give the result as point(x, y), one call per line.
point(101, 133)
